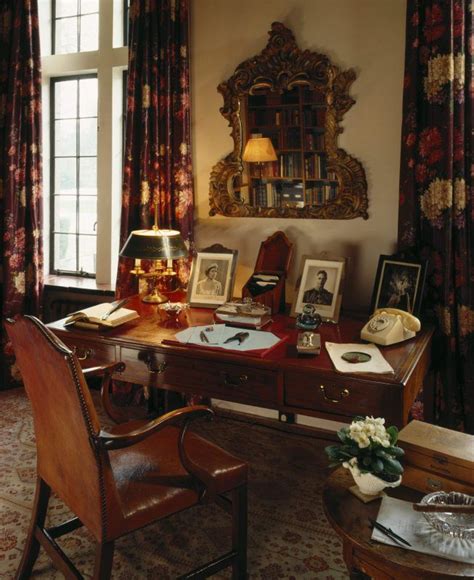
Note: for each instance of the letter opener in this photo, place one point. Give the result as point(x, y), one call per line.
point(240, 337)
point(389, 532)
point(114, 308)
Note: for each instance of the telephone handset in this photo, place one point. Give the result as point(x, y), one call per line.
point(390, 325)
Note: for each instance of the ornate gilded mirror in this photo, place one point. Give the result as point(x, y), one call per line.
point(284, 107)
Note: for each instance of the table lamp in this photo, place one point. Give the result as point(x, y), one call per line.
point(259, 150)
point(154, 244)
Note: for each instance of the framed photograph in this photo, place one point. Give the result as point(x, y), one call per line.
point(399, 284)
point(212, 278)
point(321, 285)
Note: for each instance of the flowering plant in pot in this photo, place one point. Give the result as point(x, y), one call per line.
point(369, 450)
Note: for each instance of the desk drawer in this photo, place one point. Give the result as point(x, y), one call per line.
point(91, 354)
point(201, 376)
point(342, 397)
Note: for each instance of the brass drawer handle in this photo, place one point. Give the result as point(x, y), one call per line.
point(230, 381)
point(82, 353)
point(440, 459)
point(434, 484)
point(149, 360)
point(159, 370)
point(344, 394)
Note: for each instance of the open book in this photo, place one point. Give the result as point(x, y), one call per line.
point(93, 317)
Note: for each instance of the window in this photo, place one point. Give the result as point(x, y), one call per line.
point(74, 174)
point(75, 26)
point(83, 70)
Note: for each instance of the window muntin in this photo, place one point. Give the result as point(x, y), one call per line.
point(75, 26)
point(74, 174)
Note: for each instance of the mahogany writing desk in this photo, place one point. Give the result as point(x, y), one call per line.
point(282, 380)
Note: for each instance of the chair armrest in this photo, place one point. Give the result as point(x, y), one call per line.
point(204, 483)
point(106, 371)
point(183, 416)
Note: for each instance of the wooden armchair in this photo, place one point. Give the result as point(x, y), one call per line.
point(118, 481)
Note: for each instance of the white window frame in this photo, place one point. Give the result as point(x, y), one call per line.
point(108, 62)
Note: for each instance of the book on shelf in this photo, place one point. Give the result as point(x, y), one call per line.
point(95, 317)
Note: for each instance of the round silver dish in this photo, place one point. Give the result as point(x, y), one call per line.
point(455, 524)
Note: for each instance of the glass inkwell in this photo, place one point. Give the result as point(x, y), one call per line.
point(308, 341)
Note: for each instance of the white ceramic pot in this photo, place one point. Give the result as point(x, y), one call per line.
point(368, 483)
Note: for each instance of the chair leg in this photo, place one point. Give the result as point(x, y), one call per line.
point(239, 532)
point(38, 516)
point(103, 560)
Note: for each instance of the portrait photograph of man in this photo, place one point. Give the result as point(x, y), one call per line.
point(320, 285)
point(318, 294)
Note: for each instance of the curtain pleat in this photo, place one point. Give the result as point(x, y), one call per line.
point(21, 219)
point(158, 164)
point(436, 190)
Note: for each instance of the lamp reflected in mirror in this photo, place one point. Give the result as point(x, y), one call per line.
point(155, 245)
point(258, 150)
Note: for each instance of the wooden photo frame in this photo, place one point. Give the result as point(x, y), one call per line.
point(399, 284)
point(321, 285)
point(212, 277)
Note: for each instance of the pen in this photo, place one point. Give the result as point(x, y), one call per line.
point(203, 336)
point(388, 532)
point(114, 308)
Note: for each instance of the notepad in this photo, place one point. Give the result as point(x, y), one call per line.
point(91, 317)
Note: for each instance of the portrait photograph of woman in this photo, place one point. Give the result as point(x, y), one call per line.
point(212, 279)
point(399, 284)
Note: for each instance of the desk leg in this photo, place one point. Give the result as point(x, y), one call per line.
point(348, 555)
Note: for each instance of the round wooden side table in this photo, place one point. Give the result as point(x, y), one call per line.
point(349, 516)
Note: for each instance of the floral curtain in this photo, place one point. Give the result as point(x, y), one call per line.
point(436, 190)
point(20, 167)
point(157, 167)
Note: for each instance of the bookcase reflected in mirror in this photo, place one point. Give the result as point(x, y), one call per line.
point(296, 100)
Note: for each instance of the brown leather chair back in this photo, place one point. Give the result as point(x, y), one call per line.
point(64, 418)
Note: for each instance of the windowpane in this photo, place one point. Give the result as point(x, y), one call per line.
point(66, 8)
point(65, 100)
point(88, 98)
point(89, 32)
point(88, 176)
point(65, 214)
point(65, 176)
point(65, 138)
point(65, 252)
point(88, 136)
point(87, 214)
point(66, 36)
point(87, 253)
point(88, 6)
point(75, 194)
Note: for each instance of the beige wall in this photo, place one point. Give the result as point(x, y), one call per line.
point(367, 35)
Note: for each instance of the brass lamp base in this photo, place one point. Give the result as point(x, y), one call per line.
point(155, 297)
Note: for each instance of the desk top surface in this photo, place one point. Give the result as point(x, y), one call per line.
point(154, 326)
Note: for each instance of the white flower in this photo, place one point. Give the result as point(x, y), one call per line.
point(369, 430)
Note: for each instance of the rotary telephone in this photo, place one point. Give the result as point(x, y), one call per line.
point(390, 325)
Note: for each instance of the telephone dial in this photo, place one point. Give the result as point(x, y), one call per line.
point(389, 326)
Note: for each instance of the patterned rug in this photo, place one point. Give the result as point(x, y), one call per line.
point(289, 536)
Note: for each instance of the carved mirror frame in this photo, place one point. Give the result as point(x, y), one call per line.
point(279, 67)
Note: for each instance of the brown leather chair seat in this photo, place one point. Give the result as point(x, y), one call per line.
point(152, 482)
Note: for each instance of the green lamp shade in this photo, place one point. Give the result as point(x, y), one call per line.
point(154, 245)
